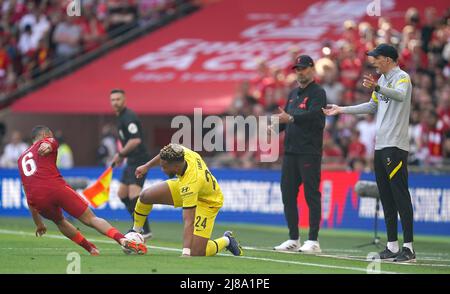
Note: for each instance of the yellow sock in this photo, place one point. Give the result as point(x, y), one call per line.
point(215, 246)
point(141, 211)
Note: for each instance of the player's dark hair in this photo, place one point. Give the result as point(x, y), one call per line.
point(114, 91)
point(37, 130)
point(172, 153)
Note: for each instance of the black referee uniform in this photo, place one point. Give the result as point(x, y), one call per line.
point(303, 156)
point(130, 127)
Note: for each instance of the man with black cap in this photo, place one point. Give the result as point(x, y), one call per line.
point(303, 120)
point(391, 99)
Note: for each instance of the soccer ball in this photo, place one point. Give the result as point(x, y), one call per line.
point(138, 238)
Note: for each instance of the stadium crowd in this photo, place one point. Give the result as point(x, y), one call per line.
point(424, 52)
point(38, 35)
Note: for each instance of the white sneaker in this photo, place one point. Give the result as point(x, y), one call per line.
point(310, 247)
point(289, 245)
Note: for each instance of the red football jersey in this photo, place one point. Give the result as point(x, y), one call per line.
point(39, 171)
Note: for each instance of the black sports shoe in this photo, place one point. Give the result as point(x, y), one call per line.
point(387, 254)
point(406, 255)
point(234, 246)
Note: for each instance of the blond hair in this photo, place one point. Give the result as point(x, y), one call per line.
point(172, 152)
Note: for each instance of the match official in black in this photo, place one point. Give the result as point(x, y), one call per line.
point(303, 121)
point(134, 150)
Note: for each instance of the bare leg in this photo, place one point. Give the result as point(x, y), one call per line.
point(67, 229)
point(157, 194)
point(134, 191)
point(91, 220)
point(123, 191)
point(199, 246)
point(73, 234)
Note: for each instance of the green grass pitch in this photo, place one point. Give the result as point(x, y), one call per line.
point(22, 252)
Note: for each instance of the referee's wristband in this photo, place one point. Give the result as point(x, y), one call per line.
point(377, 88)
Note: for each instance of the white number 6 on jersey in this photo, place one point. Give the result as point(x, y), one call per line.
point(28, 164)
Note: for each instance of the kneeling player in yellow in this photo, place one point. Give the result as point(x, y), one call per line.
point(196, 190)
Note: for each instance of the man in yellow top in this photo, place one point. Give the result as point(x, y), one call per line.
point(196, 190)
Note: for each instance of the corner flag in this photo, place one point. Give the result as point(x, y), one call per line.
point(98, 193)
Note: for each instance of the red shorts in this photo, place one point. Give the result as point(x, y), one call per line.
point(50, 201)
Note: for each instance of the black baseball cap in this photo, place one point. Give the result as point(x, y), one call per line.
point(384, 50)
point(303, 61)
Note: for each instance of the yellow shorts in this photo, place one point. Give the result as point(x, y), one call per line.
point(205, 215)
point(175, 192)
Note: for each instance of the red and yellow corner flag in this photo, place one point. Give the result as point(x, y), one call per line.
point(98, 193)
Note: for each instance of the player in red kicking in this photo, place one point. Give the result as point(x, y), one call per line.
point(47, 194)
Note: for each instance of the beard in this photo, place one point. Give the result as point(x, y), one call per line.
point(303, 80)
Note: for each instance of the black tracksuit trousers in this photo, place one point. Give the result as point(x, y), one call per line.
point(392, 180)
point(296, 170)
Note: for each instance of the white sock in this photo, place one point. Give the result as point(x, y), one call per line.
point(393, 246)
point(137, 229)
point(228, 240)
point(409, 246)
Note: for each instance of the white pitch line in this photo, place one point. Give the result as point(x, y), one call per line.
point(356, 258)
point(421, 254)
point(357, 269)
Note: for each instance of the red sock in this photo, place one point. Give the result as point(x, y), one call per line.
point(113, 233)
point(81, 240)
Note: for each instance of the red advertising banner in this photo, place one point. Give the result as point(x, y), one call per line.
point(198, 60)
point(337, 191)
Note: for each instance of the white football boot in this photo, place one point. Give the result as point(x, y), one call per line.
point(310, 247)
point(289, 245)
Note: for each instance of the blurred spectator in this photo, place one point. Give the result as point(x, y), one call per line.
point(356, 149)
point(37, 20)
point(122, 14)
point(243, 101)
point(65, 154)
point(367, 129)
point(67, 36)
point(415, 130)
point(13, 150)
point(431, 140)
point(108, 146)
point(446, 149)
point(34, 33)
point(444, 109)
point(41, 62)
point(93, 31)
point(28, 41)
point(330, 83)
point(274, 91)
point(424, 51)
point(332, 154)
point(7, 76)
point(350, 66)
point(260, 82)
